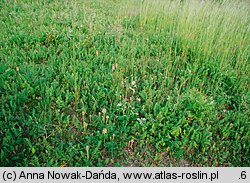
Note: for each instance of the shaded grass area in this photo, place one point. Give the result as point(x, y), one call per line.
point(156, 88)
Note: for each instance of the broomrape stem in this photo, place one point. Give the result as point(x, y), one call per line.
point(87, 150)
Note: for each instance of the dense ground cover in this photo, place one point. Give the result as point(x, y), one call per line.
point(142, 83)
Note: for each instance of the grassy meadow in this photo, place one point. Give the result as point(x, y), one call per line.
point(124, 83)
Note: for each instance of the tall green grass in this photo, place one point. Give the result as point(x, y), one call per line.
point(145, 83)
